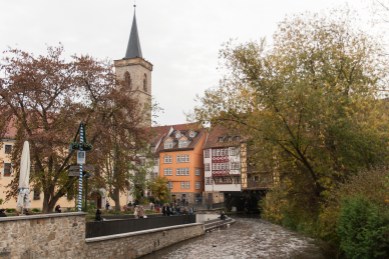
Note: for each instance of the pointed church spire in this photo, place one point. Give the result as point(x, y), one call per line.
point(133, 47)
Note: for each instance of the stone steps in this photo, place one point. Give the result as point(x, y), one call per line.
point(217, 223)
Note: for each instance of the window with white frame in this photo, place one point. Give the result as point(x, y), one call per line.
point(208, 180)
point(198, 185)
point(198, 171)
point(168, 144)
point(185, 185)
point(167, 159)
point(182, 171)
point(235, 166)
point(170, 185)
point(220, 152)
point(167, 171)
point(236, 180)
point(206, 153)
point(183, 143)
point(207, 167)
point(234, 151)
point(220, 166)
point(182, 158)
point(223, 180)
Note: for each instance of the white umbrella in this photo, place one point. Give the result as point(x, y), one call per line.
point(24, 178)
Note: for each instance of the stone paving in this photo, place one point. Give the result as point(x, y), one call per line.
point(247, 238)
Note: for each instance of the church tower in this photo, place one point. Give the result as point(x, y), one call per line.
point(135, 72)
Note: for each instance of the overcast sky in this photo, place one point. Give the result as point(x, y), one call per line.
point(181, 38)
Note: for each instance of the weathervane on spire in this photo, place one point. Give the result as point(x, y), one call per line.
point(134, 3)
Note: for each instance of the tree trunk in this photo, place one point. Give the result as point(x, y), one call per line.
point(116, 198)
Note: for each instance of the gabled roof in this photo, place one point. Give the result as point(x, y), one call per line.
point(133, 47)
point(163, 132)
point(157, 134)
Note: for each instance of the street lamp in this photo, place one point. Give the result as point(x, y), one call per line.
point(82, 146)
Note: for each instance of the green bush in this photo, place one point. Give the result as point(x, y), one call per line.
point(363, 229)
point(367, 183)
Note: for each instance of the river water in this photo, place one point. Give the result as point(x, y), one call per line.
point(247, 238)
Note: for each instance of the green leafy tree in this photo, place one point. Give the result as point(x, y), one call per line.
point(309, 105)
point(138, 179)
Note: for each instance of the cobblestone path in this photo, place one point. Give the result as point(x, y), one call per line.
point(247, 238)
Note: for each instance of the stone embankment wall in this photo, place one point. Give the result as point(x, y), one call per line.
point(62, 235)
point(42, 236)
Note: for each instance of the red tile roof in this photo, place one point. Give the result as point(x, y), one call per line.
point(162, 132)
point(222, 137)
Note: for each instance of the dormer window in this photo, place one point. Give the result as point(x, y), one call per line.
point(178, 134)
point(192, 134)
point(220, 139)
point(168, 144)
point(183, 142)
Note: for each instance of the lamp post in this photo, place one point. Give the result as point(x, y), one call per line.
point(86, 176)
point(80, 162)
point(82, 146)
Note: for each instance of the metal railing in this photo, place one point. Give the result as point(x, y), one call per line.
point(119, 226)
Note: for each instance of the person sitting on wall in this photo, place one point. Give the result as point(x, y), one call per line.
point(2, 213)
point(164, 211)
point(222, 215)
point(136, 211)
point(98, 215)
point(58, 208)
point(141, 212)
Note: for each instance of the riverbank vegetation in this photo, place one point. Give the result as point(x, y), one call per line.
point(313, 105)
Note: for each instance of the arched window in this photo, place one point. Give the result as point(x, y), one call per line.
point(145, 82)
point(127, 80)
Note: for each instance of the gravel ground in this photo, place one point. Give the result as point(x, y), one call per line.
point(247, 238)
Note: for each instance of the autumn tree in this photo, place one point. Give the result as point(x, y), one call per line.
point(159, 189)
point(309, 104)
point(45, 98)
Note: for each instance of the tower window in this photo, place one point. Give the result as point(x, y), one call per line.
point(145, 82)
point(7, 169)
point(127, 80)
point(8, 149)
